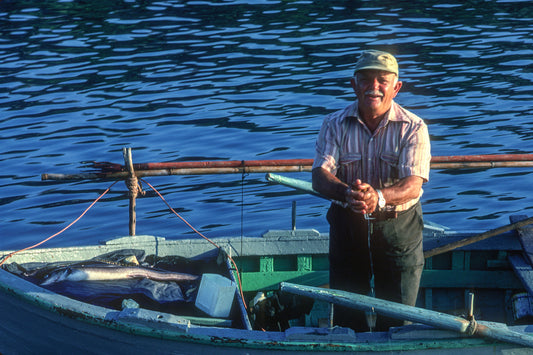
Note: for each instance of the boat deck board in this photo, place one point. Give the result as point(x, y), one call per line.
point(523, 270)
point(523, 263)
point(525, 235)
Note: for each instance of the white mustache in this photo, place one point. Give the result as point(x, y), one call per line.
point(374, 93)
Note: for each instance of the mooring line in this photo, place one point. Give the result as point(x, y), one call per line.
point(61, 231)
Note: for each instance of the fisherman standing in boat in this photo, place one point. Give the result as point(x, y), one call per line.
point(374, 156)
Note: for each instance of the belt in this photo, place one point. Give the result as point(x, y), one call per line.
point(384, 215)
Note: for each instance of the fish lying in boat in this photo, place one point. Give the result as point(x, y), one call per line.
point(103, 273)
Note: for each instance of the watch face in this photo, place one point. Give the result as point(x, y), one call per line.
point(381, 203)
point(381, 200)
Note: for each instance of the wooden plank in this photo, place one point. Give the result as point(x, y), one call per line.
point(255, 281)
point(458, 260)
point(525, 235)
point(305, 262)
point(523, 270)
point(428, 297)
point(266, 264)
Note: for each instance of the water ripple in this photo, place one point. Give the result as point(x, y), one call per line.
point(238, 80)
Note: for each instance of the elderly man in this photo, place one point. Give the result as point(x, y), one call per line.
point(372, 158)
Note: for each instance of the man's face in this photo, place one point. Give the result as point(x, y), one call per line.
point(375, 90)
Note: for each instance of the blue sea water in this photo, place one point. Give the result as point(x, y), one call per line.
point(245, 80)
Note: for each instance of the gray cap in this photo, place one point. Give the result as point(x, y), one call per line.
point(377, 60)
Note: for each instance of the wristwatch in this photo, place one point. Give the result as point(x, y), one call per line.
point(381, 200)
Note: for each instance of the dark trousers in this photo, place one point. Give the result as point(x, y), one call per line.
point(397, 255)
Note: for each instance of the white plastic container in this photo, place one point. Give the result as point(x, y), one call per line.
point(215, 295)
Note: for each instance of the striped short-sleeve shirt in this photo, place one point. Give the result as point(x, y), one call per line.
point(398, 148)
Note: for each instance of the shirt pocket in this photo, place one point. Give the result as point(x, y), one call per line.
point(389, 162)
point(349, 167)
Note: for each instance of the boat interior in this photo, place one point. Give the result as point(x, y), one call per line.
point(487, 270)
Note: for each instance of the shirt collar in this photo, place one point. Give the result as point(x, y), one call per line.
point(391, 115)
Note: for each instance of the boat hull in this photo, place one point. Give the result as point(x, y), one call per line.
point(37, 320)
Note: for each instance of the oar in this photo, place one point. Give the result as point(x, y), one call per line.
point(301, 185)
point(410, 313)
point(476, 238)
point(117, 171)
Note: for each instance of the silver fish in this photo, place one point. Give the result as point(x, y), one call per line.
point(102, 273)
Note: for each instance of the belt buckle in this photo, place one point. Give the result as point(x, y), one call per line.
point(369, 217)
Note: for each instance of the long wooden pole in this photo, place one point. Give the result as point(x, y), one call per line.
point(476, 238)
point(410, 313)
point(445, 161)
point(128, 161)
point(178, 171)
point(117, 171)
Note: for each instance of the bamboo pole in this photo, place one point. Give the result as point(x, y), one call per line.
point(117, 172)
point(482, 164)
point(224, 164)
point(482, 158)
point(177, 171)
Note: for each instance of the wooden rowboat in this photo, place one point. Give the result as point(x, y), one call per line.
point(496, 269)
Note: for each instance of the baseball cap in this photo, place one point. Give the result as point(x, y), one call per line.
point(377, 60)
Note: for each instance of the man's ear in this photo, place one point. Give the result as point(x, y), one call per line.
point(397, 87)
point(353, 83)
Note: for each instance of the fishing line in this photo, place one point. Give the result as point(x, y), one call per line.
point(61, 231)
point(243, 176)
point(371, 315)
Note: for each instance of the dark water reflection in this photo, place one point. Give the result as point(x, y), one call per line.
point(210, 80)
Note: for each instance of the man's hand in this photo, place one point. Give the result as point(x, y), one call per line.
point(362, 198)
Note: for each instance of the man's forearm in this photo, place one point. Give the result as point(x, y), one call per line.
point(328, 184)
point(403, 191)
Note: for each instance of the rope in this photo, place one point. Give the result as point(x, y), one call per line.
point(133, 185)
point(135, 188)
point(61, 231)
point(203, 236)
